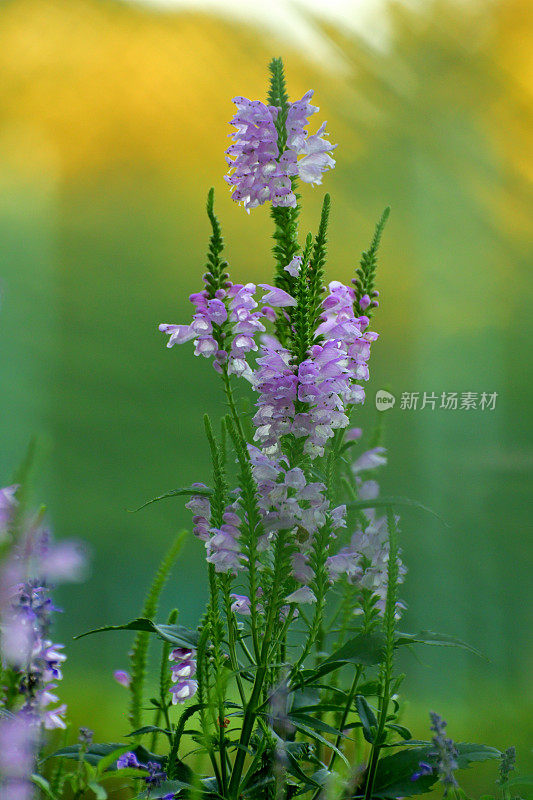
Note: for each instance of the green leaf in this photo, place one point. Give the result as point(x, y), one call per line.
point(468, 753)
point(365, 649)
point(388, 502)
point(367, 717)
point(175, 634)
point(147, 729)
point(98, 790)
point(404, 732)
point(175, 493)
point(439, 639)
point(318, 738)
point(394, 773)
point(521, 780)
point(165, 788)
point(312, 722)
point(94, 754)
point(109, 760)
point(294, 769)
point(43, 785)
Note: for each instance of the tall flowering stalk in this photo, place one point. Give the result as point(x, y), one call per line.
point(281, 530)
point(295, 653)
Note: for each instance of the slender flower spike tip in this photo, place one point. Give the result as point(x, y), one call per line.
point(272, 145)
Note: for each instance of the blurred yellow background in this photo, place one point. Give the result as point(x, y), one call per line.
point(114, 119)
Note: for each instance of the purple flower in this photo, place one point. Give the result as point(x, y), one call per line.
point(241, 604)
point(128, 760)
point(446, 752)
point(258, 171)
point(18, 745)
point(364, 302)
point(316, 157)
point(223, 547)
point(293, 268)
point(181, 654)
point(255, 172)
point(8, 503)
point(183, 690)
point(122, 677)
point(65, 561)
point(302, 595)
point(276, 384)
point(277, 297)
point(353, 435)
point(376, 457)
point(183, 667)
point(423, 769)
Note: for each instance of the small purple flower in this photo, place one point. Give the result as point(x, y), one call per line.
point(446, 753)
point(183, 690)
point(128, 760)
point(294, 266)
point(122, 677)
point(277, 297)
point(364, 302)
point(353, 435)
point(8, 503)
point(423, 769)
point(376, 457)
point(241, 604)
point(156, 775)
point(302, 595)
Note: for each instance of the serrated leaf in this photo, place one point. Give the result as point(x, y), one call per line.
point(175, 634)
point(176, 493)
point(468, 753)
point(438, 639)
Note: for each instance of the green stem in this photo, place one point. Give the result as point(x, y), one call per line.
point(388, 661)
point(254, 702)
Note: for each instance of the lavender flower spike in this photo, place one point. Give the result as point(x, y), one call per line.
point(446, 753)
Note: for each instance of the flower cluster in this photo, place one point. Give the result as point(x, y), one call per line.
point(364, 562)
point(155, 777)
point(183, 668)
point(222, 544)
point(445, 752)
point(224, 327)
point(33, 565)
point(259, 172)
point(323, 385)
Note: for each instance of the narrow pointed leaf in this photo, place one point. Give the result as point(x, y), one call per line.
point(439, 639)
point(176, 493)
point(175, 634)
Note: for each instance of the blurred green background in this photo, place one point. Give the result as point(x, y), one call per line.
point(113, 125)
